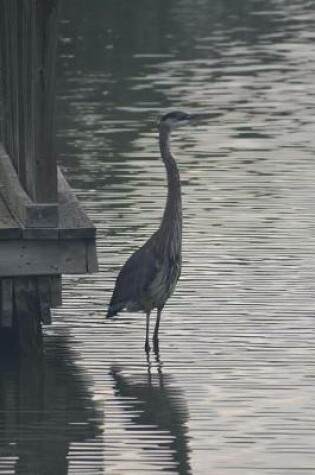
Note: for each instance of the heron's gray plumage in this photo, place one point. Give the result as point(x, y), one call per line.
point(149, 276)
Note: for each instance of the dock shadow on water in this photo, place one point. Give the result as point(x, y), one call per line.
point(158, 414)
point(47, 417)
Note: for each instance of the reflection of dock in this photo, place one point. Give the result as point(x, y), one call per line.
point(43, 231)
point(48, 419)
point(155, 405)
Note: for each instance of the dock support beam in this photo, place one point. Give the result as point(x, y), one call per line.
point(25, 304)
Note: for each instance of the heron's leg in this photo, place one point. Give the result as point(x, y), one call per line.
point(147, 328)
point(156, 329)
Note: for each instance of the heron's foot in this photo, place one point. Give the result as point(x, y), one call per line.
point(147, 347)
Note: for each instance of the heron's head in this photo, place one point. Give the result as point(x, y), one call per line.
point(175, 119)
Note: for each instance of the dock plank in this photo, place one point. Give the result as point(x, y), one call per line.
point(22, 257)
point(9, 228)
point(73, 222)
point(27, 212)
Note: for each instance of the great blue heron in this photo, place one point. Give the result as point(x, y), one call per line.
point(150, 275)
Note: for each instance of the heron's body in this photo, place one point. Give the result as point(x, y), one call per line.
point(149, 276)
point(145, 287)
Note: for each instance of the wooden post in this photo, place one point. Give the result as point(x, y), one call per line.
point(28, 36)
point(20, 313)
point(44, 298)
point(22, 70)
point(27, 314)
point(6, 299)
point(42, 181)
point(25, 303)
point(6, 84)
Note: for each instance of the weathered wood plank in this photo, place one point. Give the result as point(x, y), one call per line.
point(28, 37)
point(9, 228)
point(27, 314)
point(27, 91)
point(21, 93)
point(40, 233)
point(43, 285)
point(42, 179)
point(73, 256)
point(73, 221)
point(13, 36)
point(41, 215)
point(19, 257)
point(6, 303)
point(43, 257)
point(3, 95)
point(6, 79)
point(55, 290)
point(50, 295)
point(16, 198)
point(91, 257)
point(28, 214)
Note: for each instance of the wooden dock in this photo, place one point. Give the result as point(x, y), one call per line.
point(43, 231)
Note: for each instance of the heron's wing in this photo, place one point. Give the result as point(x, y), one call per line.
point(134, 278)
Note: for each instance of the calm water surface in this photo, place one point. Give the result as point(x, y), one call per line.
point(233, 389)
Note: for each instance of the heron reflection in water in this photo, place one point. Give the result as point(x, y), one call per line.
point(149, 276)
point(156, 405)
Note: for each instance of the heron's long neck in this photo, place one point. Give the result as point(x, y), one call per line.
point(171, 225)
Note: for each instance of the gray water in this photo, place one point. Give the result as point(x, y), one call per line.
point(232, 391)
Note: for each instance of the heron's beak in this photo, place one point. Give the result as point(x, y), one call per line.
point(203, 116)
